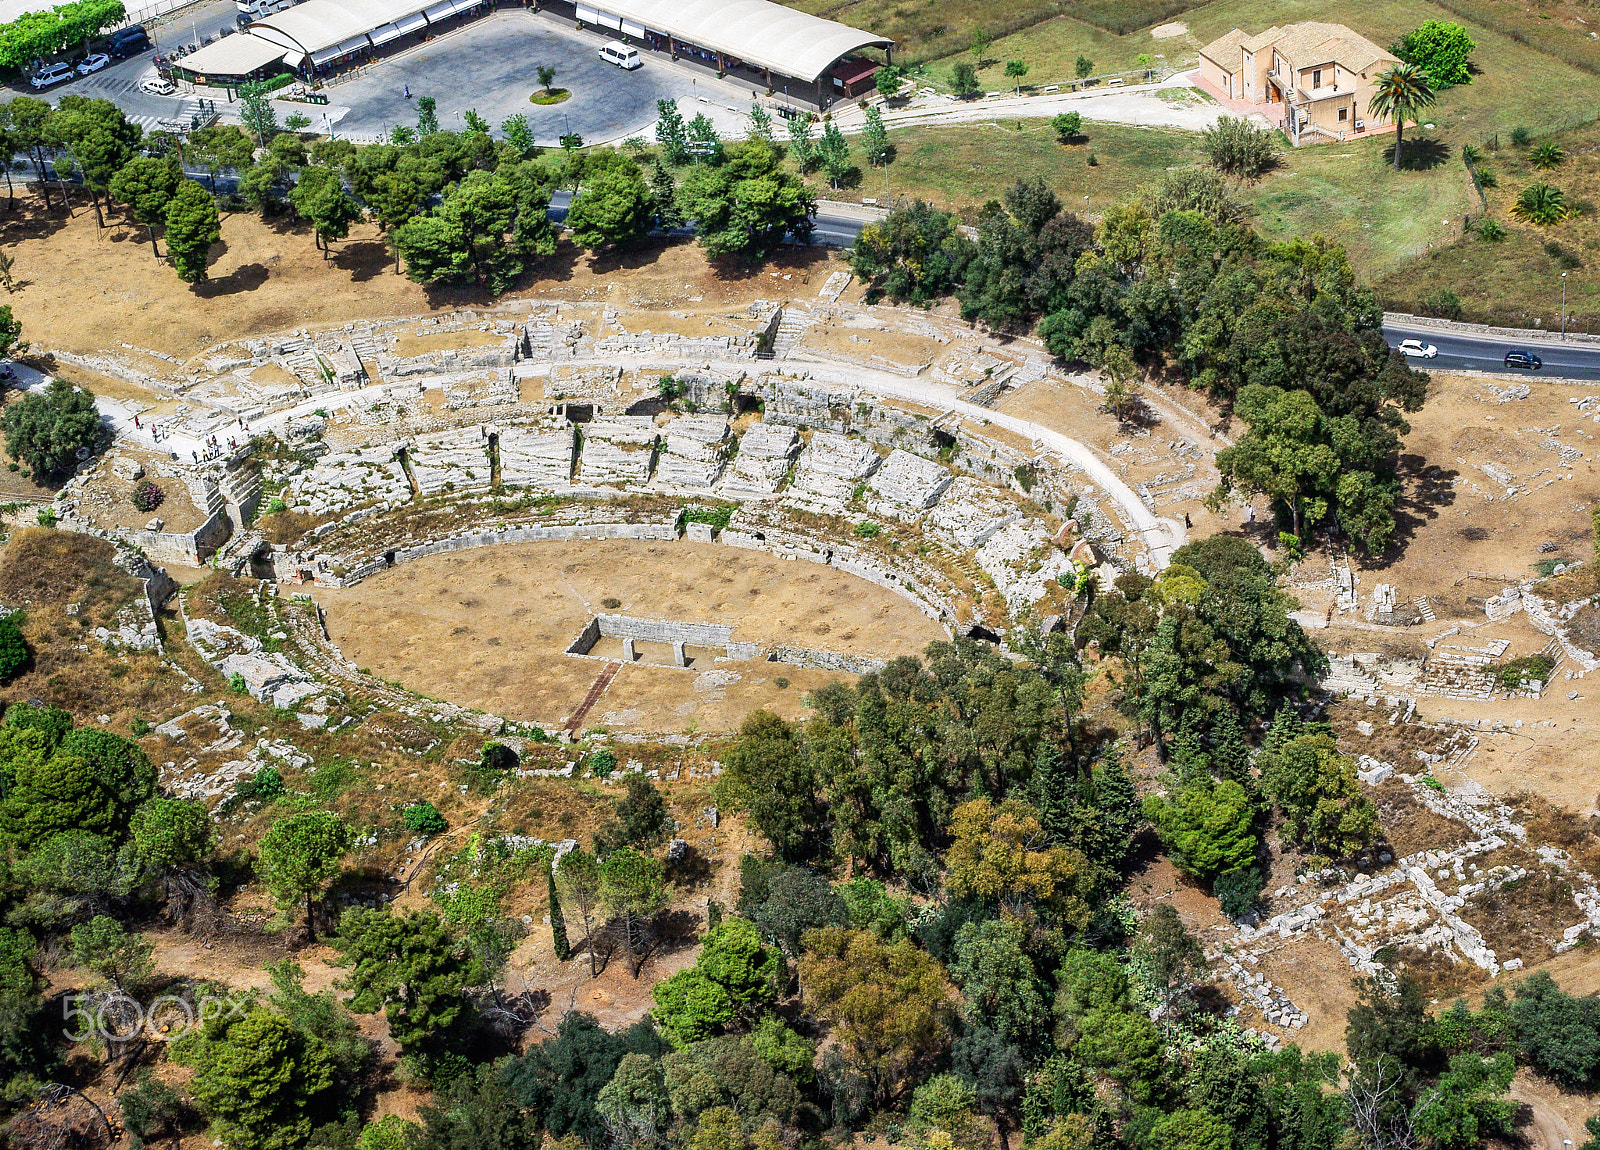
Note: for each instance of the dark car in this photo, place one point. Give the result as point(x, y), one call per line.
point(1524, 359)
point(129, 41)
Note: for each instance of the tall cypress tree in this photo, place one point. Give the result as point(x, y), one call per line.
point(1055, 791)
point(1286, 727)
point(1230, 754)
point(1118, 800)
point(558, 924)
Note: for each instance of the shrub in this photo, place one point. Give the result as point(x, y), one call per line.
point(1238, 148)
point(1068, 126)
point(148, 496)
point(1546, 156)
point(140, 728)
point(1511, 674)
point(1487, 178)
point(1444, 303)
point(866, 530)
point(424, 819)
point(1520, 136)
point(13, 649)
point(602, 763)
point(1542, 204)
point(1238, 890)
point(236, 681)
point(1084, 68)
point(1491, 231)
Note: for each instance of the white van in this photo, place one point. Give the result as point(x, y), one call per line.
point(621, 55)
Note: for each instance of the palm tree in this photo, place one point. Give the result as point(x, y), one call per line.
point(1541, 204)
point(1402, 91)
point(1546, 156)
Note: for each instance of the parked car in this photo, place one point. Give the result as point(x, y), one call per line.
point(1521, 358)
point(244, 19)
point(6, 373)
point(157, 85)
point(93, 63)
point(52, 74)
point(129, 41)
point(1417, 349)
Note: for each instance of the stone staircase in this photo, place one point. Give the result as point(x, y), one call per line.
point(791, 329)
point(1426, 608)
point(234, 557)
point(1459, 675)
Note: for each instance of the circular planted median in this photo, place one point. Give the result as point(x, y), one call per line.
point(550, 96)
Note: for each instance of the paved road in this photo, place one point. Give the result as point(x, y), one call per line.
point(1483, 352)
point(1174, 102)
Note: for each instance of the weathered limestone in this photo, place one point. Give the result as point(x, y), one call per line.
point(970, 512)
point(536, 457)
point(906, 485)
point(620, 450)
point(765, 455)
point(456, 461)
point(1019, 558)
point(830, 467)
point(694, 451)
point(348, 478)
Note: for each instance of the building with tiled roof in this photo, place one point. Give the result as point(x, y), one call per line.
point(1313, 80)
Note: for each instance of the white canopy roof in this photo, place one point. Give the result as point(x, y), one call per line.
point(235, 55)
point(317, 25)
point(758, 32)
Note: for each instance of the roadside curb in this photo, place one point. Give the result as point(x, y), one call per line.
point(1533, 334)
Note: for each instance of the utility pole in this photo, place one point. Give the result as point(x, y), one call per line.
point(1563, 305)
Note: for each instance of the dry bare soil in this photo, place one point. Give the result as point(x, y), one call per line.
point(488, 628)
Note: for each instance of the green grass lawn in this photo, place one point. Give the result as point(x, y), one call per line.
point(1518, 280)
point(1348, 192)
point(962, 166)
point(1518, 83)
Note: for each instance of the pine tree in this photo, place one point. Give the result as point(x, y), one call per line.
point(1118, 800)
point(835, 153)
point(670, 132)
point(1188, 759)
point(1286, 727)
point(875, 138)
point(665, 191)
point(1055, 791)
point(1230, 754)
point(801, 145)
point(558, 924)
point(760, 124)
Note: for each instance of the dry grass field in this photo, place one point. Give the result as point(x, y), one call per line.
point(488, 628)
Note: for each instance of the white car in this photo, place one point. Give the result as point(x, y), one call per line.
point(51, 74)
point(156, 86)
point(1416, 349)
point(93, 63)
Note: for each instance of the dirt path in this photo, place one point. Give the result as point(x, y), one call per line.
point(1547, 1127)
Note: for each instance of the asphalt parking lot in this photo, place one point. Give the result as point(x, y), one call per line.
point(489, 65)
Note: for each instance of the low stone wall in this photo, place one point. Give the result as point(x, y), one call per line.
point(827, 660)
point(664, 631)
point(192, 549)
point(663, 529)
point(790, 546)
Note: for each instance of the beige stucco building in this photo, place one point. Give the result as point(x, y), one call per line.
point(1313, 80)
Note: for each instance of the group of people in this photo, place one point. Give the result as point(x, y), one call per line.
point(211, 447)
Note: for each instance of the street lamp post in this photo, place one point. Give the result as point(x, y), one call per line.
point(1563, 305)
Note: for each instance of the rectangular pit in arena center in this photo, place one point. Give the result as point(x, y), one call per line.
point(672, 643)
